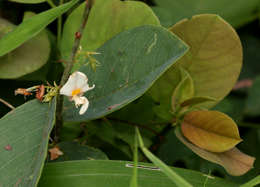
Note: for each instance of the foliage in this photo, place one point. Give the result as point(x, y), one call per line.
point(159, 75)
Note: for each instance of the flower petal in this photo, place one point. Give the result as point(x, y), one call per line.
point(87, 88)
point(70, 85)
point(81, 78)
point(78, 100)
point(84, 107)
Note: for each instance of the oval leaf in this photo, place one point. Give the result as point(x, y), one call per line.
point(24, 137)
point(25, 59)
point(130, 63)
point(214, 61)
point(107, 18)
point(234, 161)
point(101, 173)
point(215, 58)
point(31, 27)
point(210, 130)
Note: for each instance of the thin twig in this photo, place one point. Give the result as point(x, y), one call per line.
point(7, 104)
point(67, 70)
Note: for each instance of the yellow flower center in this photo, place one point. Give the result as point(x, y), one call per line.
point(76, 92)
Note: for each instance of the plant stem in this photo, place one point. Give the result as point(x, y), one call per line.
point(7, 104)
point(67, 70)
point(51, 3)
point(59, 25)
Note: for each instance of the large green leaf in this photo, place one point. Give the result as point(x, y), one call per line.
point(107, 18)
point(130, 63)
point(239, 13)
point(24, 136)
point(95, 173)
point(214, 60)
point(25, 59)
point(31, 27)
point(28, 1)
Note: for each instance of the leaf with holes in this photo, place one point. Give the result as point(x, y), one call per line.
point(24, 136)
point(130, 63)
point(234, 161)
point(210, 130)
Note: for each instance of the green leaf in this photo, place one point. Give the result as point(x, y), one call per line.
point(130, 63)
point(235, 162)
point(196, 100)
point(172, 11)
point(24, 136)
point(106, 19)
point(210, 130)
point(75, 151)
point(101, 173)
point(178, 180)
point(213, 61)
point(184, 90)
point(25, 59)
point(31, 27)
point(215, 58)
point(28, 1)
point(255, 181)
point(253, 100)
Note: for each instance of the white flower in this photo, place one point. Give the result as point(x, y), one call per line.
point(75, 88)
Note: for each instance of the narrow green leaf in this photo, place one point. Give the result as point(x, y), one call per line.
point(129, 64)
point(24, 136)
point(100, 173)
point(31, 27)
point(27, 58)
point(178, 180)
point(255, 181)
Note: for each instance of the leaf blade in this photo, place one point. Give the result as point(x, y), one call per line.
point(125, 73)
point(31, 27)
point(210, 130)
point(34, 118)
point(235, 162)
